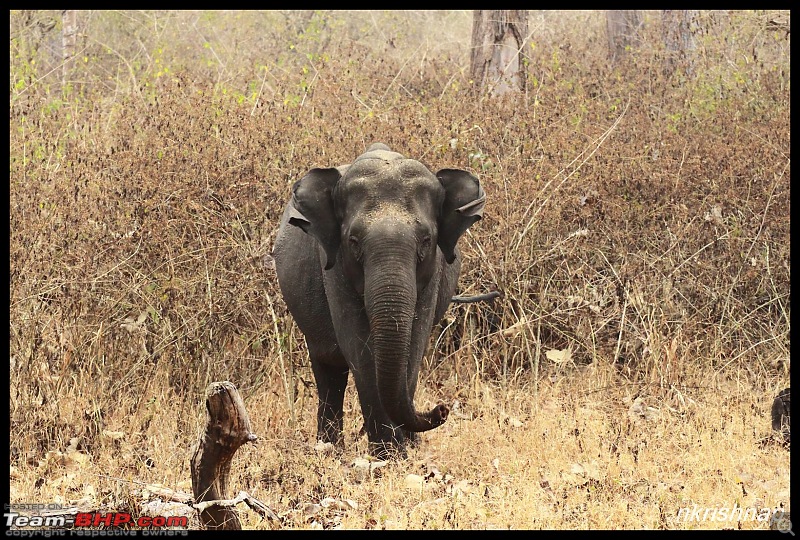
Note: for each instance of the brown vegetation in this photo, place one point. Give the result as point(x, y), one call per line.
point(637, 225)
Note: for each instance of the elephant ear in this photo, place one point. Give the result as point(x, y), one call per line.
point(312, 210)
point(464, 200)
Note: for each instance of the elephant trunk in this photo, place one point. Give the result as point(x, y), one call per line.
point(390, 296)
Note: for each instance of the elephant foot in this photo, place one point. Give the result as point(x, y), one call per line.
point(331, 435)
point(394, 447)
point(387, 451)
point(328, 448)
point(337, 445)
point(412, 438)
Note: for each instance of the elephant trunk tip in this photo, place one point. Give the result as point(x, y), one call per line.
point(438, 415)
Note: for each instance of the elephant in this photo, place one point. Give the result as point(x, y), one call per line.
point(367, 263)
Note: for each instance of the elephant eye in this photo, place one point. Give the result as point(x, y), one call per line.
point(355, 247)
point(424, 248)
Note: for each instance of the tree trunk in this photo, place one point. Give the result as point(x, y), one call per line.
point(69, 34)
point(623, 32)
point(678, 27)
point(228, 428)
point(498, 41)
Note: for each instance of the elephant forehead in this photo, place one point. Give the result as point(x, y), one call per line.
point(388, 212)
point(385, 174)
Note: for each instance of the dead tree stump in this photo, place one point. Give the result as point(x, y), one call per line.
point(228, 428)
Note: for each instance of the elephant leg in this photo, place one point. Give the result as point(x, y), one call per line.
point(330, 374)
point(385, 440)
point(352, 333)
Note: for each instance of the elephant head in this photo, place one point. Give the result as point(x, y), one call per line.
point(389, 225)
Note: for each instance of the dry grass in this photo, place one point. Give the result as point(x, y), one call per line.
point(577, 454)
point(637, 225)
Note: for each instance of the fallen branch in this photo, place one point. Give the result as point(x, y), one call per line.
point(243, 497)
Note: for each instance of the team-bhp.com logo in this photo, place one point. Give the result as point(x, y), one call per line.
point(96, 519)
